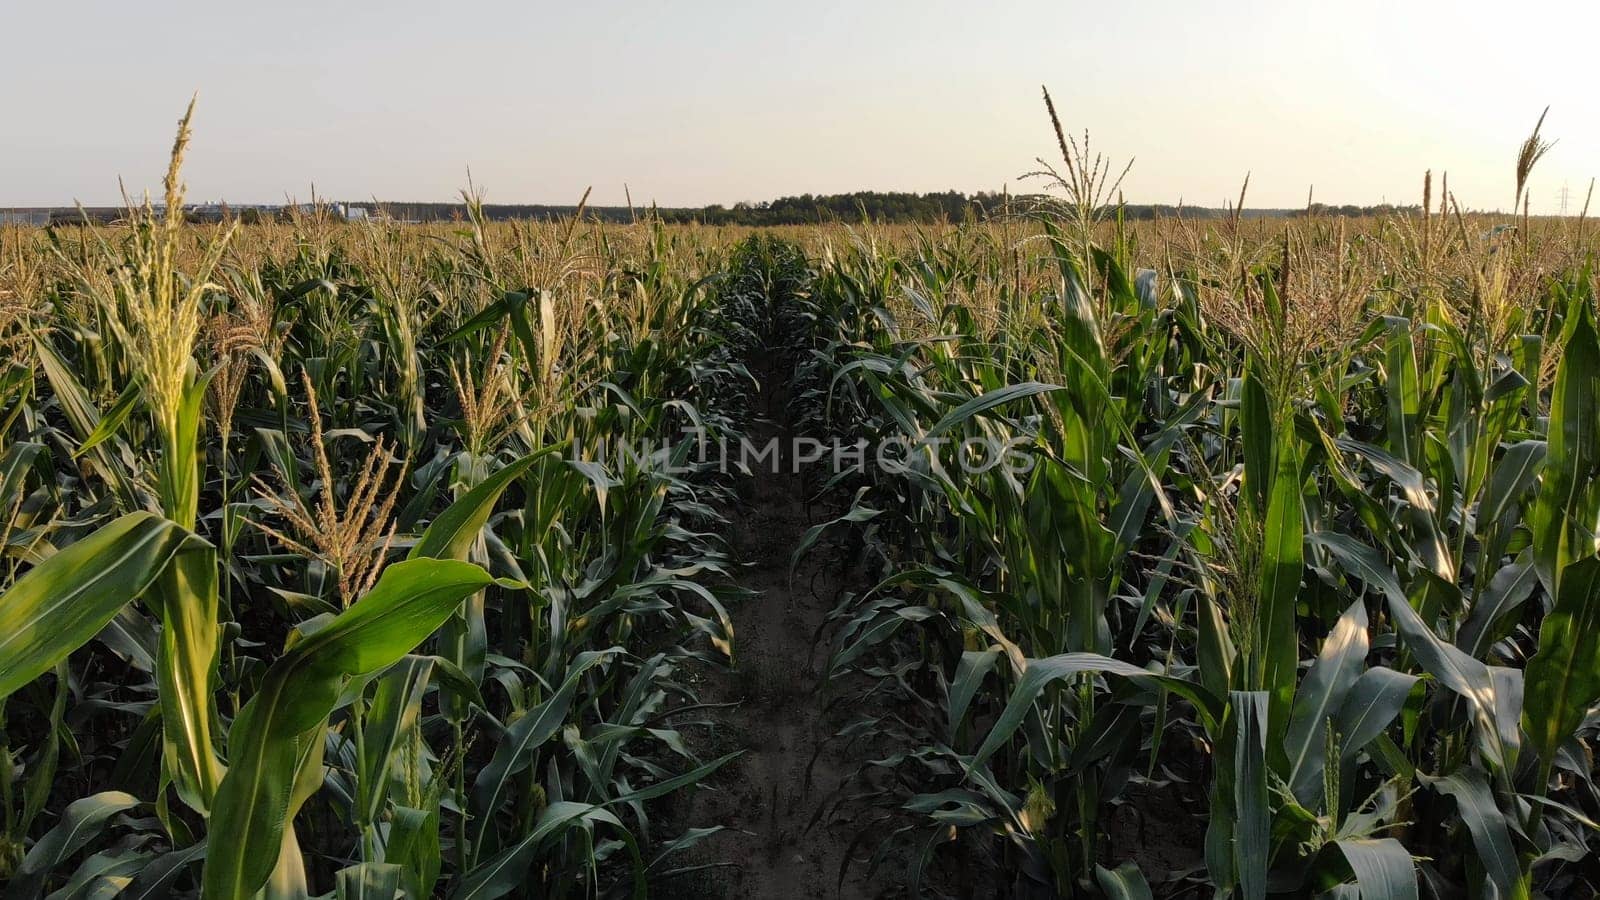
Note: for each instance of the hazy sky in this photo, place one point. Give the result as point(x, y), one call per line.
point(695, 102)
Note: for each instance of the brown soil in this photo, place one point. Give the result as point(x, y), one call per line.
point(769, 799)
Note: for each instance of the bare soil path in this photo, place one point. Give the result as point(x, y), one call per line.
point(769, 798)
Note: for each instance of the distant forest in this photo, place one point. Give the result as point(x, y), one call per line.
point(877, 206)
point(806, 209)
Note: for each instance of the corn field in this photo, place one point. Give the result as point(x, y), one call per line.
point(1290, 586)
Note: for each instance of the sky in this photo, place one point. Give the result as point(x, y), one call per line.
point(695, 102)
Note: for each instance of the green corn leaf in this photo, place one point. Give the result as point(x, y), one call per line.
point(1369, 706)
point(450, 536)
point(1319, 696)
point(1566, 516)
point(1493, 614)
point(1488, 696)
point(41, 774)
point(1255, 426)
point(66, 600)
point(505, 872)
point(1252, 827)
point(409, 602)
point(690, 838)
point(1040, 673)
point(1427, 543)
point(1282, 563)
point(80, 824)
point(1402, 389)
point(414, 846)
point(1361, 561)
point(159, 879)
point(1125, 882)
point(857, 514)
point(368, 881)
point(391, 718)
point(111, 422)
point(1214, 653)
point(516, 750)
point(103, 875)
point(84, 418)
point(970, 672)
point(485, 318)
point(1516, 472)
point(1383, 868)
point(1563, 678)
point(882, 626)
point(1473, 681)
point(956, 417)
point(186, 671)
point(15, 463)
point(1486, 822)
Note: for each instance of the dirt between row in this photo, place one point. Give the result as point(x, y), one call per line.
point(769, 799)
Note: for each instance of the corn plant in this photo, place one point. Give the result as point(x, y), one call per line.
point(299, 535)
point(1307, 500)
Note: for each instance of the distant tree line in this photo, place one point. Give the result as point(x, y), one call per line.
point(1382, 209)
point(876, 206)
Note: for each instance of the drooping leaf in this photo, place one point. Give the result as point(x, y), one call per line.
point(159, 879)
point(66, 600)
point(81, 823)
point(450, 536)
point(1383, 868)
point(368, 881)
point(408, 603)
point(986, 402)
point(1487, 824)
point(1125, 882)
point(1040, 673)
point(1492, 616)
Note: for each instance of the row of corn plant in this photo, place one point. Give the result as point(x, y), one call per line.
point(355, 559)
point(1298, 545)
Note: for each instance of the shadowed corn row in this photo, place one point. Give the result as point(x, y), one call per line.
point(1302, 575)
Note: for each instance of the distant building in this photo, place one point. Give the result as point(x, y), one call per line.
point(57, 216)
